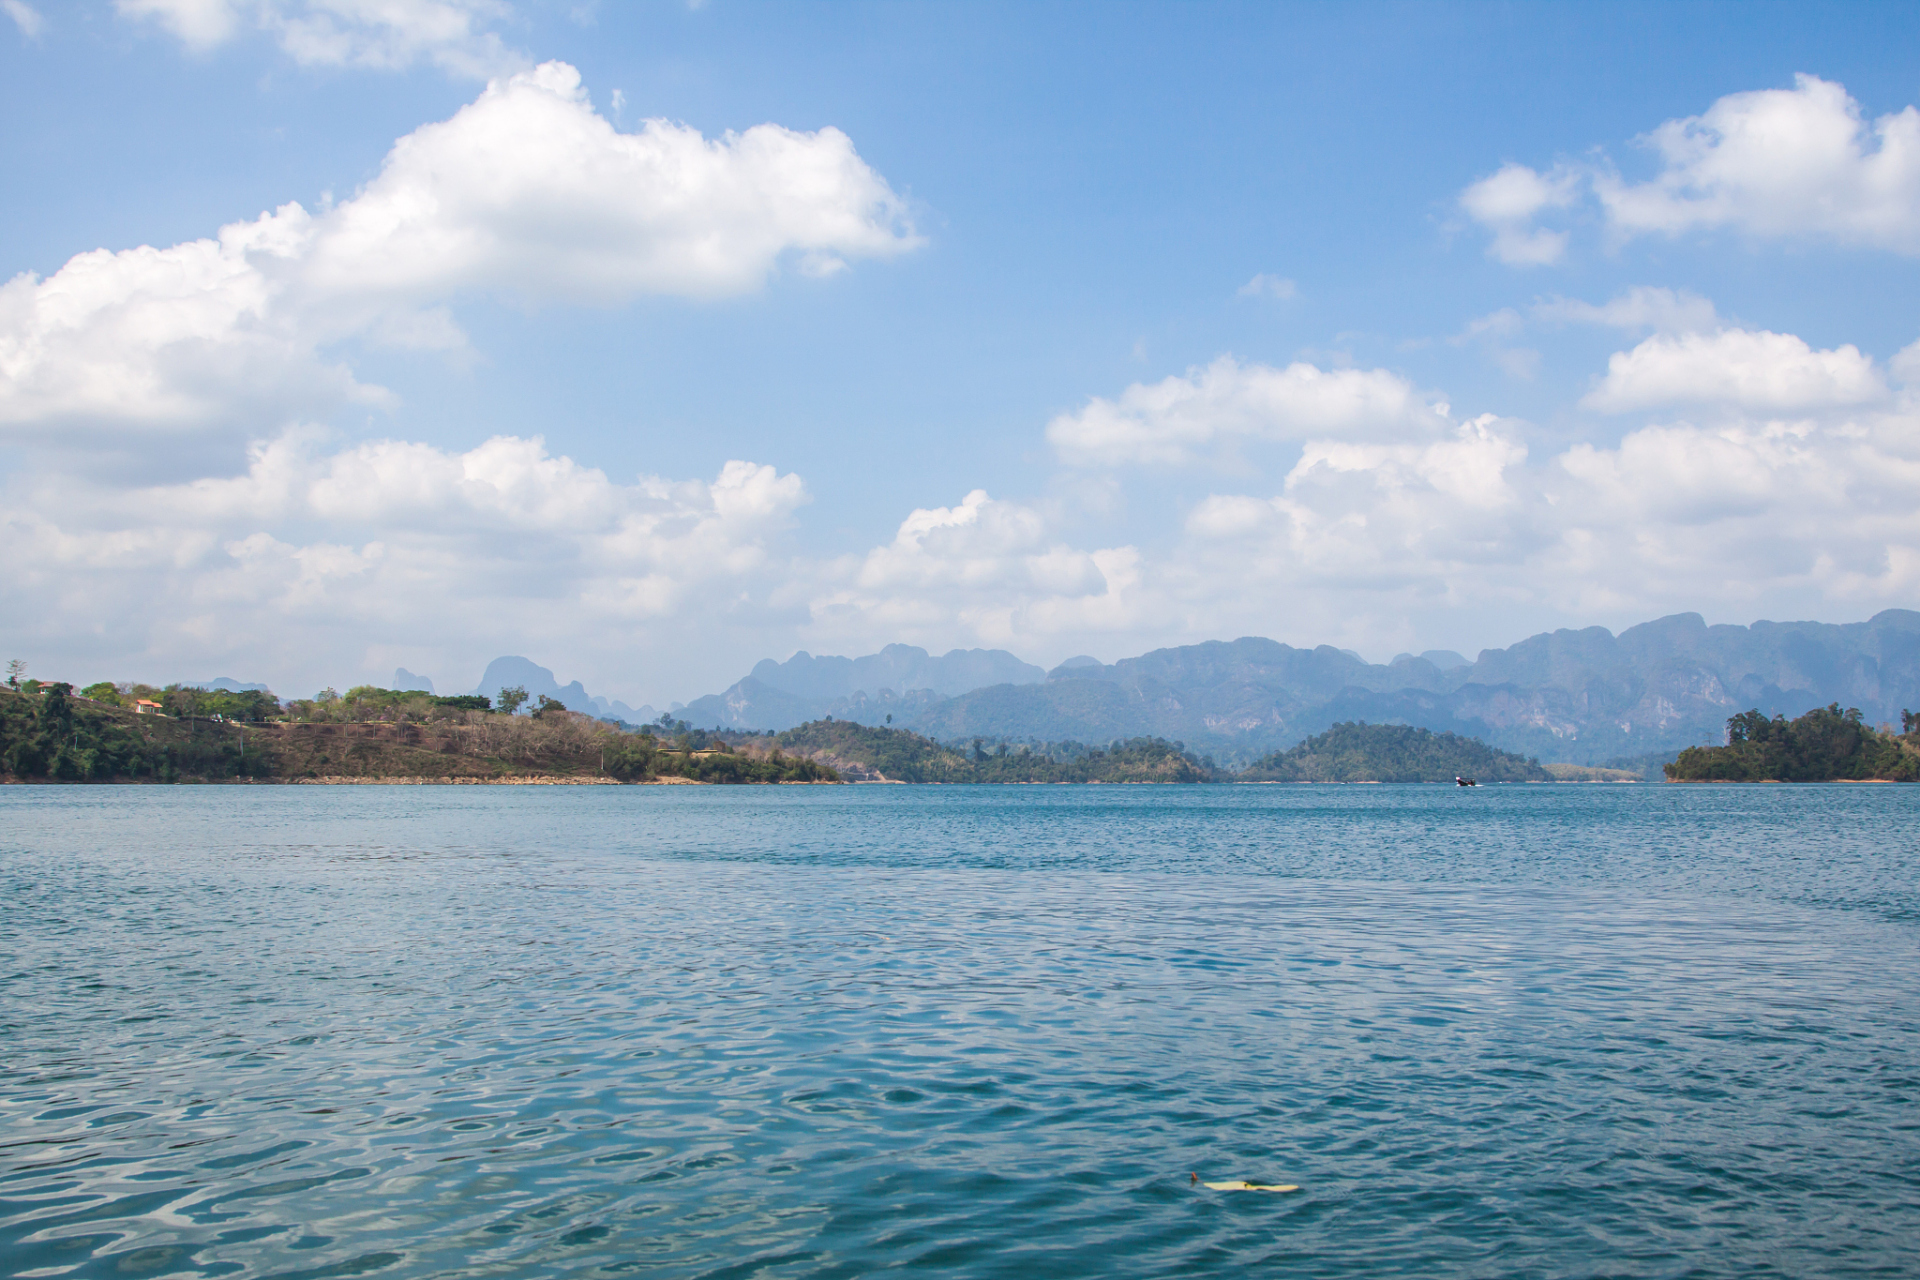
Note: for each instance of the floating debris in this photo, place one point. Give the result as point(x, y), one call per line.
point(1240, 1184)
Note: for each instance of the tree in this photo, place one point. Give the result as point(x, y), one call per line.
point(464, 702)
point(510, 699)
point(16, 667)
point(549, 706)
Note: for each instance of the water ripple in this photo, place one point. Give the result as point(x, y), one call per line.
point(1545, 1031)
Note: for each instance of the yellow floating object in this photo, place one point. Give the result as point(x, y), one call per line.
point(1240, 1185)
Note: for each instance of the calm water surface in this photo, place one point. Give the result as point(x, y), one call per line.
point(783, 1032)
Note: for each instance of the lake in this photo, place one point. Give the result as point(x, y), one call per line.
point(1544, 1031)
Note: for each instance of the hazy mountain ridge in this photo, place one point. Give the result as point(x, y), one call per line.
point(1579, 696)
point(509, 672)
point(1583, 696)
point(901, 680)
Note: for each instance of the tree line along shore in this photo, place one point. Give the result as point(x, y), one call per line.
point(180, 733)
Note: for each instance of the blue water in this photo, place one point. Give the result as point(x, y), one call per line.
point(781, 1032)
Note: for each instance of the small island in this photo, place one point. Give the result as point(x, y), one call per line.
point(1356, 752)
point(1824, 745)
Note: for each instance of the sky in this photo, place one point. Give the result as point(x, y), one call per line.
point(649, 340)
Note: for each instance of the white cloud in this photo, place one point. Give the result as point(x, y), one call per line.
point(1352, 512)
point(1266, 286)
point(24, 16)
point(529, 190)
point(990, 572)
point(1640, 309)
point(1771, 164)
point(1749, 371)
point(186, 339)
point(498, 548)
point(1172, 420)
point(1508, 200)
point(525, 192)
point(1376, 540)
point(1377, 536)
point(199, 24)
point(1742, 514)
point(379, 34)
point(1781, 162)
point(1905, 365)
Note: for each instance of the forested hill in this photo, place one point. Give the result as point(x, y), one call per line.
point(1354, 752)
point(1824, 745)
point(864, 753)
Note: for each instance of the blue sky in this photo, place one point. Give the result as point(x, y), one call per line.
point(1060, 329)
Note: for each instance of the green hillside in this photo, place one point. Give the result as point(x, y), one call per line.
point(1355, 752)
point(46, 732)
point(1824, 745)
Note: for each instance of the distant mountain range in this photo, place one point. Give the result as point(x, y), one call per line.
point(901, 681)
point(506, 673)
point(1582, 697)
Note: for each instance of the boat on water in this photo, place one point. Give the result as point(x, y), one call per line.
point(1459, 781)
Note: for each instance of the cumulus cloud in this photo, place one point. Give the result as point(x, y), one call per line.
point(986, 571)
point(1508, 201)
point(1791, 495)
point(530, 190)
point(388, 543)
point(1355, 516)
point(1171, 421)
point(1772, 163)
point(1745, 513)
point(525, 192)
point(379, 34)
point(1751, 371)
point(183, 339)
point(1780, 162)
point(1365, 542)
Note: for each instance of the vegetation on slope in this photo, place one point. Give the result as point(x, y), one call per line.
point(1355, 752)
point(898, 755)
point(1824, 745)
point(48, 733)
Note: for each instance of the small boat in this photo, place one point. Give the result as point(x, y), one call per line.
point(1459, 781)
